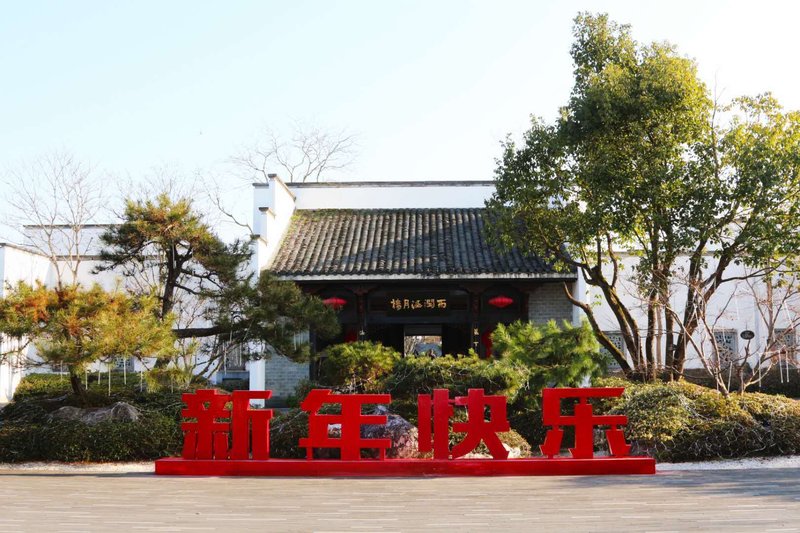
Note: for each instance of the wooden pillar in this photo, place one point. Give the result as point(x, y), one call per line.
point(362, 292)
point(475, 291)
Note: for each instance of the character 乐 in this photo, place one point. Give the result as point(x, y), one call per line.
point(584, 420)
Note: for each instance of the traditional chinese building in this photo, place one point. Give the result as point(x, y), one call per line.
point(399, 261)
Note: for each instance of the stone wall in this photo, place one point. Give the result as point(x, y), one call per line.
point(548, 302)
point(282, 375)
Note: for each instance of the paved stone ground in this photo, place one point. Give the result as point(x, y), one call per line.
point(733, 500)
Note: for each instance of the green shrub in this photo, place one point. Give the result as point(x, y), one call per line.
point(37, 385)
point(169, 378)
point(526, 420)
point(36, 408)
point(152, 437)
point(686, 422)
point(552, 356)
point(285, 431)
point(30, 411)
point(775, 381)
point(511, 438)
point(514, 440)
point(165, 403)
point(27, 432)
point(54, 386)
point(357, 366)
point(421, 375)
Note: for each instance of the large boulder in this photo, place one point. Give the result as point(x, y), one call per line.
point(401, 432)
point(118, 412)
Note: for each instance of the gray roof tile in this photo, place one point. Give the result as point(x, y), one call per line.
point(426, 243)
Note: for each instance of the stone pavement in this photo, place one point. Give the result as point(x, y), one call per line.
point(733, 500)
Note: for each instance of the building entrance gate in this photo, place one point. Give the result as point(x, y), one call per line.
point(436, 318)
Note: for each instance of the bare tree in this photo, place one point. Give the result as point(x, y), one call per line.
point(306, 156)
point(50, 202)
point(775, 297)
point(777, 302)
point(53, 200)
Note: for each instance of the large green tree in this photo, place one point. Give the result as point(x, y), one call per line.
point(76, 327)
point(642, 161)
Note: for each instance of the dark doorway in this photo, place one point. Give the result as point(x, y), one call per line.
point(447, 339)
point(455, 339)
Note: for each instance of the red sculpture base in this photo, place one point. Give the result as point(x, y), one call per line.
point(408, 467)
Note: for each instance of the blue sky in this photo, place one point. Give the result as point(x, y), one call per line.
point(428, 87)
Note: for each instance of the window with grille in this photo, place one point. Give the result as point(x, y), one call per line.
point(786, 343)
point(234, 357)
point(123, 363)
point(617, 340)
point(726, 344)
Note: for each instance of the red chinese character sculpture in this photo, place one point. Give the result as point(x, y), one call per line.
point(441, 409)
point(209, 436)
point(476, 428)
point(250, 426)
point(584, 422)
point(225, 436)
point(351, 419)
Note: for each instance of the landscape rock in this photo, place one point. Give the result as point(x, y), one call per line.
point(403, 434)
point(399, 430)
point(118, 412)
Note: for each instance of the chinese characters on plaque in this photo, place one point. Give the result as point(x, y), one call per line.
point(416, 304)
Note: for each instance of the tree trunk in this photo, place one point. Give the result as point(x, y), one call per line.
point(601, 337)
point(669, 343)
point(652, 303)
point(77, 386)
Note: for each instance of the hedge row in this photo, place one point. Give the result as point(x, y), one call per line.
point(685, 422)
point(152, 437)
point(27, 432)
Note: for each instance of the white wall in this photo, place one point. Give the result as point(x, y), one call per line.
point(733, 307)
point(273, 207)
point(17, 265)
point(392, 195)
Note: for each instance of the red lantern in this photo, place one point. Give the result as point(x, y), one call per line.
point(501, 301)
point(335, 302)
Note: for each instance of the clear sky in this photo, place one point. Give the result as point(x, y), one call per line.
point(429, 87)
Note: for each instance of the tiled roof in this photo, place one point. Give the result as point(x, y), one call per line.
point(398, 243)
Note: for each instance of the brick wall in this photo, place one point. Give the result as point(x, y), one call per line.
point(548, 302)
point(283, 375)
